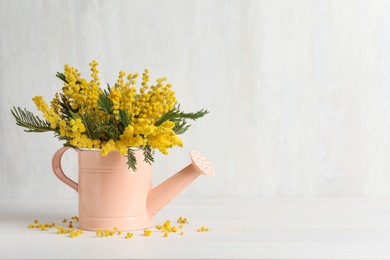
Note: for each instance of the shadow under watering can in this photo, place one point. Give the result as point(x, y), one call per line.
point(111, 195)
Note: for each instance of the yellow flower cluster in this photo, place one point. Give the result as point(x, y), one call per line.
point(182, 220)
point(75, 129)
point(165, 228)
point(148, 232)
point(83, 109)
point(75, 233)
point(71, 231)
point(201, 229)
point(129, 235)
point(159, 99)
point(59, 229)
point(41, 226)
point(80, 93)
point(108, 233)
point(48, 113)
point(164, 137)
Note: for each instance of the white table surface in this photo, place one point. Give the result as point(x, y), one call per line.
point(283, 228)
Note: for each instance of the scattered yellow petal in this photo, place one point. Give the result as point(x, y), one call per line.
point(148, 232)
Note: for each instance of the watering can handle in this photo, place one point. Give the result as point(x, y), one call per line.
point(57, 169)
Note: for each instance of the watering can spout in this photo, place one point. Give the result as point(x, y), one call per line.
point(159, 196)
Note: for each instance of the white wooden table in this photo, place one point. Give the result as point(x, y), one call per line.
point(285, 228)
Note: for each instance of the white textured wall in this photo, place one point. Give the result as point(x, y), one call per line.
point(299, 91)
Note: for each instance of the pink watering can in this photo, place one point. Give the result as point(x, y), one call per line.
point(111, 195)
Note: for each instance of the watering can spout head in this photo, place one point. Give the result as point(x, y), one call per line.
point(159, 196)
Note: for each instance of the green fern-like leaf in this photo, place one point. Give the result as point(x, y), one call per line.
point(124, 120)
point(179, 118)
point(91, 126)
point(109, 129)
point(28, 120)
point(61, 76)
point(181, 127)
point(148, 154)
point(67, 111)
point(167, 116)
point(131, 160)
point(104, 102)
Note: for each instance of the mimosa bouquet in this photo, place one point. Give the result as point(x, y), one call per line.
point(118, 118)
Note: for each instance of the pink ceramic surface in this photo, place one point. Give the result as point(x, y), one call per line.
point(111, 195)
